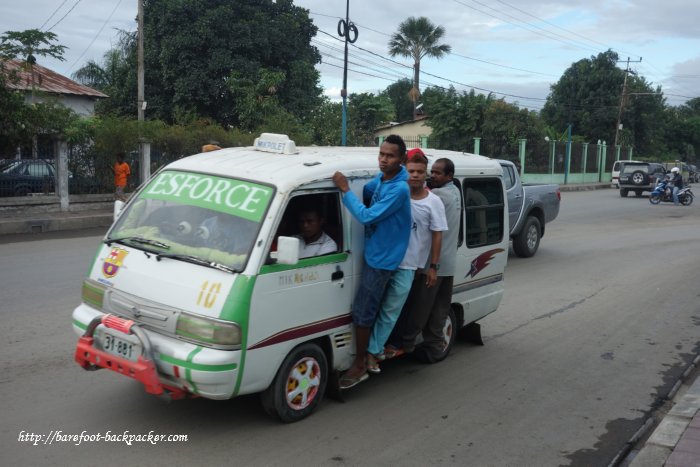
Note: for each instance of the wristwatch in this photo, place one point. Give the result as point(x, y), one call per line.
point(435, 266)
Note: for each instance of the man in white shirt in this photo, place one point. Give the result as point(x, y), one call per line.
point(427, 306)
point(313, 241)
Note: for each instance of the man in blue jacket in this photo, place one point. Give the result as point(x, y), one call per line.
point(387, 221)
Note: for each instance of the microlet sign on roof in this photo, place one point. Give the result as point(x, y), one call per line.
point(273, 142)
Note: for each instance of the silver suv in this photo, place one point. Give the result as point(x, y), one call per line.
point(639, 177)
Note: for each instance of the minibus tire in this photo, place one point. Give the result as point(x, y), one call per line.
point(452, 328)
point(310, 362)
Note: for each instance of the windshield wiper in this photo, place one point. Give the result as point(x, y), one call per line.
point(144, 241)
point(195, 260)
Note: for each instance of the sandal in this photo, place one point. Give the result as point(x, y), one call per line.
point(347, 382)
point(372, 365)
point(392, 352)
point(380, 357)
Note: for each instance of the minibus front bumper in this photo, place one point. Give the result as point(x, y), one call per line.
point(164, 365)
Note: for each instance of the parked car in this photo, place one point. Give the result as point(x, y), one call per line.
point(639, 177)
point(21, 177)
point(530, 207)
point(616, 172)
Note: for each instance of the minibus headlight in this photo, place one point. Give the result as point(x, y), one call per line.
point(208, 330)
point(93, 293)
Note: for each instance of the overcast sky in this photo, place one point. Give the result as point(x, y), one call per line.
point(514, 48)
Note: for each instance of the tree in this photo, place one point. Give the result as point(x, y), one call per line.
point(26, 45)
point(115, 76)
point(418, 38)
point(366, 112)
point(256, 96)
point(399, 93)
point(192, 50)
point(588, 96)
point(455, 117)
point(326, 123)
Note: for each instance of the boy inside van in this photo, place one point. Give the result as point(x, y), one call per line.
point(387, 221)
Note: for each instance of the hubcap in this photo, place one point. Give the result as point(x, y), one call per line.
point(303, 383)
point(532, 237)
point(447, 333)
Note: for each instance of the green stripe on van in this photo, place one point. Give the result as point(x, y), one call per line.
point(79, 324)
point(304, 263)
point(237, 309)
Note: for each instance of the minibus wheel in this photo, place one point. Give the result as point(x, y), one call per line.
point(299, 384)
point(450, 333)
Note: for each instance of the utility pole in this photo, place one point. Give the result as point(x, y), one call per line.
point(622, 98)
point(144, 148)
point(139, 57)
point(346, 29)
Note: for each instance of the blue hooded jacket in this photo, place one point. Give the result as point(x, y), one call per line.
point(387, 220)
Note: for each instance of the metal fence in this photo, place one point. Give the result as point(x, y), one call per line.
point(544, 160)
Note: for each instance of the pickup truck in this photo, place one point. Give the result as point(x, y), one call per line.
point(530, 207)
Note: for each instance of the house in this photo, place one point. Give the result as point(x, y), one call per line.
point(412, 131)
point(77, 97)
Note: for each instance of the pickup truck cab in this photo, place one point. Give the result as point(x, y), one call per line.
point(198, 288)
point(530, 208)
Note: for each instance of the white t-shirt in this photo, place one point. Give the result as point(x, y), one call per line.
point(323, 245)
point(428, 216)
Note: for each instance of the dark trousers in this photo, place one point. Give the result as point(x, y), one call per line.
point(425, 311)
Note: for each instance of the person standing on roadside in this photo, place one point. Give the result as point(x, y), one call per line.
point(427, 306)
point(121, 172)
point(387, 220)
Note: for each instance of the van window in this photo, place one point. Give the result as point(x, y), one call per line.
point(485, 207)
point(325, 205)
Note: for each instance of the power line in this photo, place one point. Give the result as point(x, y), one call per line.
point(502, 66)
point(52, 14)
point(556, 26)
point(544, 33)
point(64, 16)
point(96, 35)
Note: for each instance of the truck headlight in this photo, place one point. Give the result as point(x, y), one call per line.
point(208, 331)
point(93, 293)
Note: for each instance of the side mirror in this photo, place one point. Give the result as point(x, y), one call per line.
point(118, 207)
point(287, 250)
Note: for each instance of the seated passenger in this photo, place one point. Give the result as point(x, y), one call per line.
point(313, 241)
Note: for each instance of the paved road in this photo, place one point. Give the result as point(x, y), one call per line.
point(592, 333)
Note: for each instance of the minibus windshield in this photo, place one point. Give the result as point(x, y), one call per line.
point(195, 216)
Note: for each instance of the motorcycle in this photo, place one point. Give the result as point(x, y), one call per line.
point(664, 192)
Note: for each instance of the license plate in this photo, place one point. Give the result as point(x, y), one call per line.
point(122, 345)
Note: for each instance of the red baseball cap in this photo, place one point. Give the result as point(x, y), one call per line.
point(414, 152)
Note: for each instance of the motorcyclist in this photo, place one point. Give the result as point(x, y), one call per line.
point(677, 182)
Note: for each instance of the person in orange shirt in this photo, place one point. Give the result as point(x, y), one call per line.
point(121, 173)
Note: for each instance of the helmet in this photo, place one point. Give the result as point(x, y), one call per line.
point(675, 170)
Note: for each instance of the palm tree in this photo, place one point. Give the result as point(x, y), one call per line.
point(417, 38)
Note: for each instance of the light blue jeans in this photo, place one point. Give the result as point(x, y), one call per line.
point(394, 298)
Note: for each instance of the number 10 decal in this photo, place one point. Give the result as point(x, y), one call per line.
point(208, 294)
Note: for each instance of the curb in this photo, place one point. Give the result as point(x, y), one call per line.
point(55, 222)
point(661, 443)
